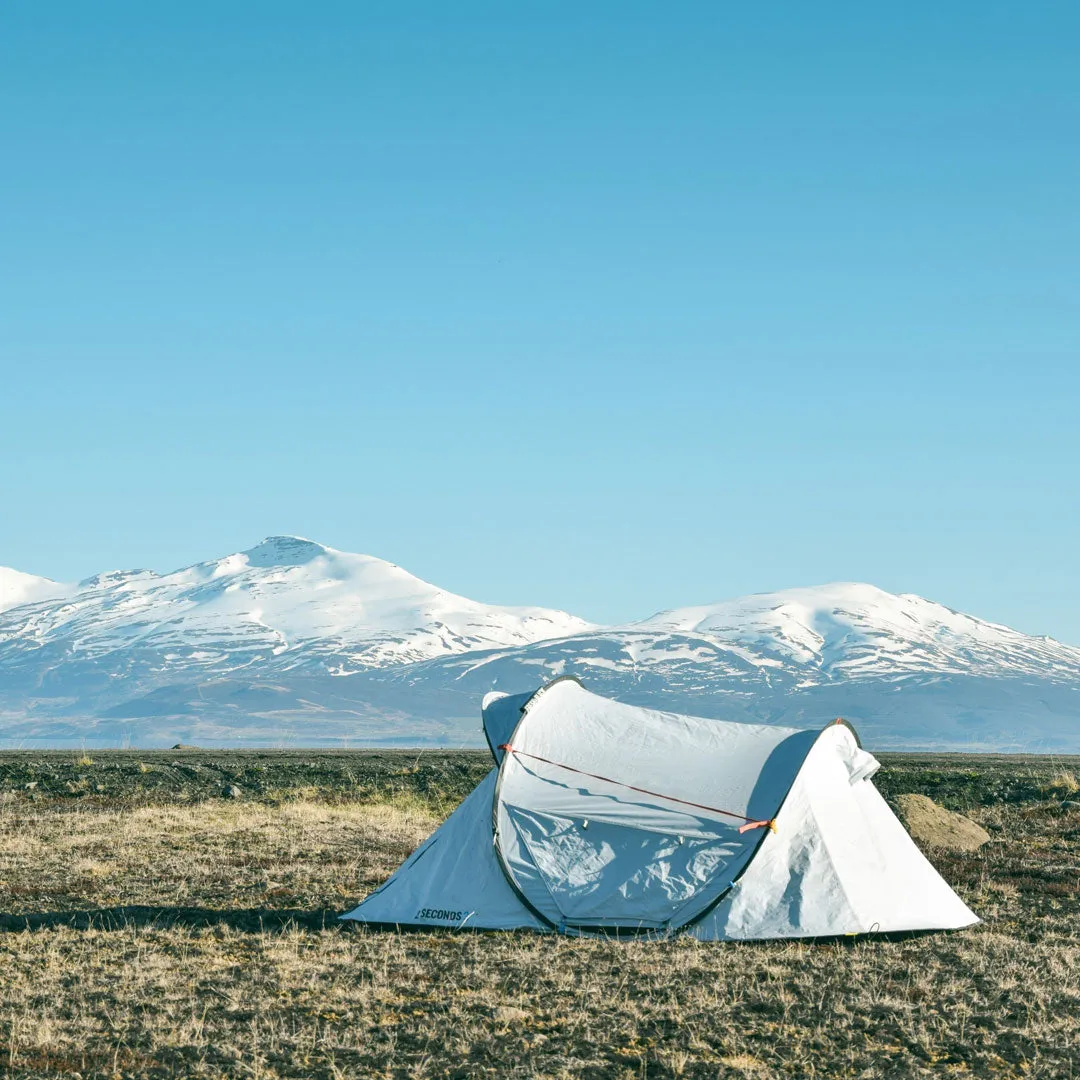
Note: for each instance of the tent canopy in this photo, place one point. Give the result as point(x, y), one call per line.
point(606, 817)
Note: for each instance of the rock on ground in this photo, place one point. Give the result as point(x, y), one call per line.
point(933, 826)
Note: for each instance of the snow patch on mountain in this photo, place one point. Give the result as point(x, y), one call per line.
point(18, 588)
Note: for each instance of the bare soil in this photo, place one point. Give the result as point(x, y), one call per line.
point(151, 926)
point(933, 826)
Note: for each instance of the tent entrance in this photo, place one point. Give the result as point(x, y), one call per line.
point(581, 870)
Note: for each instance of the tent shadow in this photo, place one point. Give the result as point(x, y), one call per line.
point(246, 920)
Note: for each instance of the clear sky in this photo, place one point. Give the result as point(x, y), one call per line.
point(607, 306)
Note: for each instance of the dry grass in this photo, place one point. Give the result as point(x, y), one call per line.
point(1063, 783)
point(215, 855)
point(198, 940)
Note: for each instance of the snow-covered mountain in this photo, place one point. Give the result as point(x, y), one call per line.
point(852, 631)
point(907, 671)
point(286, 597)
point(294, 642)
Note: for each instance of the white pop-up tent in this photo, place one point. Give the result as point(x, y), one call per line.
point(606, 818)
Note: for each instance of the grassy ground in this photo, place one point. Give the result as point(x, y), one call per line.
point(150, 926)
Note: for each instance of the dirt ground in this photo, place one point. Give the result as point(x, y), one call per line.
point(173, 914)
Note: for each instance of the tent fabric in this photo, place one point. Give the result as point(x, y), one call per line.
point(501, 713)
point(840, 862)
point(453, 879)
point(589, 852)
point(602, 817)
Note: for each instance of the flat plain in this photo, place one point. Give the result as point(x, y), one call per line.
point(174, 914)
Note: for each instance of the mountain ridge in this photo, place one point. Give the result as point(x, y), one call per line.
point(294, 641)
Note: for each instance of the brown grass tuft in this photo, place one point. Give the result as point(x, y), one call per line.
point(1063, 784)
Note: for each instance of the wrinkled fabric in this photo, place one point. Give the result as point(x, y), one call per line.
point(619, 781)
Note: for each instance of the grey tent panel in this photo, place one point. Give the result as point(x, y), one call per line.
point(501, 713)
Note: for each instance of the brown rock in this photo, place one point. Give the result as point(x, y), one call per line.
point(933, 826)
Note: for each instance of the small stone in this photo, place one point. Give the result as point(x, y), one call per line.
point(33, 784)
point(232, 792)
point(933, 826)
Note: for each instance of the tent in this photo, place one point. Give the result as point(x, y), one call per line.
point(600, 817)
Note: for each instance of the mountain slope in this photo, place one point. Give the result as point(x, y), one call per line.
point(286, 598)
point(293, 641)
point(850, 630)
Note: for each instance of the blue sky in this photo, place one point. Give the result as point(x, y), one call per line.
point(611, 307)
